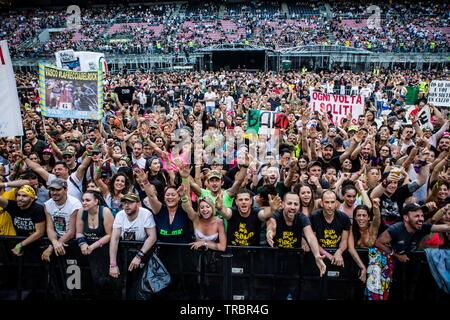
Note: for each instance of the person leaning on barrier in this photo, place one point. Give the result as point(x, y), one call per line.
point(363, 233)
point(244, 221)
point(61, 215)
point(94, 224)
point(28, 217)
point(133, 223)
point(331, 228)
point(208, 228)
point(287, 227)
point(404, 237)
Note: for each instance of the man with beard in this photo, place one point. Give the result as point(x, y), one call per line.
point(60, 213)
point(287, 227)
point(392, 197)
point(28, 218)
point(404, 237)
point(133, 223)
point(244, 221)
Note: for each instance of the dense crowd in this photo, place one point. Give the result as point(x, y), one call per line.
point(172, 160)
point(404, 27)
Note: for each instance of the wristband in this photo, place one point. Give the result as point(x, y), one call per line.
point(113, 265)
point(18, 247)
point(184, 180)
point(184, 199)
point(206, 245)
point(81, 241)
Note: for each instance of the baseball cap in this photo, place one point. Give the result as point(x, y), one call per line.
point(75, 139)
point(413, 207)
point(326, 144)
point(314, 163)
point(130, 197)
point(67, 152)
point(47, 150)
point(214, 174)
point(57, 184)
point(353, 128)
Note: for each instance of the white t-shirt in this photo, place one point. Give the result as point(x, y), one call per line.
point(62, 216)
point(210, 96)
point(134, 230)
point(72, 184)
point(140, 162)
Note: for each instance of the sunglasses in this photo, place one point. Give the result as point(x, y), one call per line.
point(67, 156)
point(96, 153)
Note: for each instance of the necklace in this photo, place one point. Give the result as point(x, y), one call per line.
point(60, 207)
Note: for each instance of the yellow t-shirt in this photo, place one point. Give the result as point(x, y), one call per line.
point(6, 224)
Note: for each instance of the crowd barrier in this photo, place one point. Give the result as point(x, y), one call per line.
point(239, 273)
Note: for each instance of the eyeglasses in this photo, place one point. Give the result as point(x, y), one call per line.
point(95, 153)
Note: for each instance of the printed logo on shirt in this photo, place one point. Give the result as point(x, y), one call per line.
point(177, 232)
point(129, 235)
point(60, 224)
point(242, 236)
point(330, 239)
point(23, 224)
point(287, 240)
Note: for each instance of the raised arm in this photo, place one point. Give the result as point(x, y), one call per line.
point(37, 168)
point(142, 179)
point(267, 212)
point(83, 167)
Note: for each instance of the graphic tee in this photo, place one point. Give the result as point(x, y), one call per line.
point(62, 216)
point(134, 230)
point(244, 231)
point(289, 236)
point(24, 220)
point(329, 235)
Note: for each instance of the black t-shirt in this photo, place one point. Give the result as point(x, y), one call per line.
point(334, 162)
point(403, 241)
point(289, 236)
point(24, 220)
point(392, 206)
point(244, 231)
point(329, 235)
point(180, 231)
point(125, 93)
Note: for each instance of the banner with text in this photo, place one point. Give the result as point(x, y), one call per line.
point(70, 94)
point(11, 122)
point(266, 122)
point(336, 105)
point(81, 61)
point(439, 94)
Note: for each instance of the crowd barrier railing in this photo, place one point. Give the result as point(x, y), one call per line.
point(239, 273)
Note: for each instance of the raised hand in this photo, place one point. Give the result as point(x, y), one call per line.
point(274, 202)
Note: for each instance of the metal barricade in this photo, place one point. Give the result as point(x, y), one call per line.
point(239, 273)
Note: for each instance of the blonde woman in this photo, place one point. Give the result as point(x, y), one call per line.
point(208, 229)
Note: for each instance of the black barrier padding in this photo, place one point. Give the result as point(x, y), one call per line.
point(241, 272)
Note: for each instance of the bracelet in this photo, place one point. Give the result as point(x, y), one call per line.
point(113, 265)
point(184, 180)
point(140, 254)
point(99, 242)
point(206, 245)
point(184, 199)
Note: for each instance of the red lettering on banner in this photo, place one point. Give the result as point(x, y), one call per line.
point(1, 56)
point(358, 100)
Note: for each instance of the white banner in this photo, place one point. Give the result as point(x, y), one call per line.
point(339, 106)
point(85, 61)
point(11, 120)
point(439, 93)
